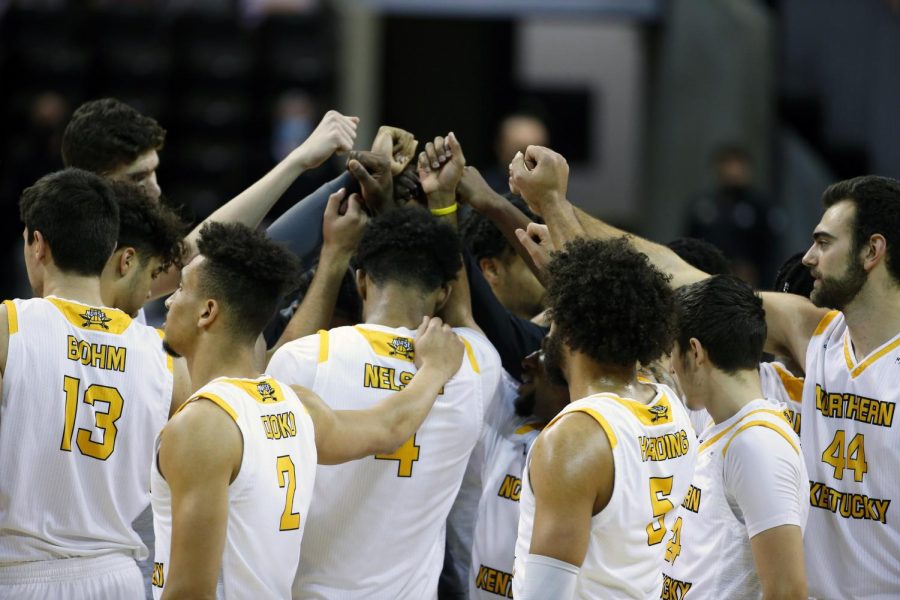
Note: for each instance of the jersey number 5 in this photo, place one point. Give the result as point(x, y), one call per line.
point(104, 421)
point(660, 488)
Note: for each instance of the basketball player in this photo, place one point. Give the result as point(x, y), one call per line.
point(85, 390)
point(739, 531)
point(851, 357)
point(110, 138)
point(235, 467)
point(603, 479)
point(376, 526)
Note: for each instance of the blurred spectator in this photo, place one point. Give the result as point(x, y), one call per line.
point(516, 132)
point(736, 217)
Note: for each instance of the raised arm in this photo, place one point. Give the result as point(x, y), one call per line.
point(334, 133)
point(347, 435)
point(341, 233)
point(199, 487)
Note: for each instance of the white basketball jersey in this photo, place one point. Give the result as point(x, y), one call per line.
point(85, 392)
point(377, 525)
point(708, 552)
point(654, 451)
point(506, 441)
point(783, 387)
point(852, 453)
point(268, 502)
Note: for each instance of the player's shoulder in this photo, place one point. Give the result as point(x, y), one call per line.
point(758, 437)
point(479, 349)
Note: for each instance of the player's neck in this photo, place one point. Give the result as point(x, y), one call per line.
point(77, 288)
point(217, 357)
point(587, 377)
point(392, 306)
point(726, 394)
point(873, 318)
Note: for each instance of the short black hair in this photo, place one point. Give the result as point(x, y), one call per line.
point(701, 254)
point(482, 238)
point(106, 134)
point(410, 247)
point(608, 301)
point(151, 227)
point(793, 277)
point(877, 201)
point(247, 272)
point(728, 319)
point(76, 213)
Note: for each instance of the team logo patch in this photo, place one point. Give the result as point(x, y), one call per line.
point(659, 412)
point(266, 392)
point(95, 317)
point(402, 347)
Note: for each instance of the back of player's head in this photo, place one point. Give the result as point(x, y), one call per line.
point(150, 227)
point(877, 201)
point(700, 254)
point(75, 212)
point(481, 236)
point(793, 277)
point(247, 273)
point(608, 302)
point(409, 247)
point(106, 134)
point(726, 317)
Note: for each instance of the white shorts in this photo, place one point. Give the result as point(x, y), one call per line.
point(107, 577)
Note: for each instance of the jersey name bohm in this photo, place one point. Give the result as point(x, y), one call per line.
point(100, 356)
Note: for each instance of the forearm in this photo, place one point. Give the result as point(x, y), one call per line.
point(662, 257)
point(399, 415)
point(507, 218)
point(317, 307)
point(300, 227)
point(562, 222)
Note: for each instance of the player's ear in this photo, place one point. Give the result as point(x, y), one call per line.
point(697, 352)
point(208, 314)
point(443, 294)
point(488, 268)
point(37, 243)
point(127, 260)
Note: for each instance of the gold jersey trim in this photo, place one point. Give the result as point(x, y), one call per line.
point(793, 385)
point(825, 322)
point(12, 317)
point(392, 345)
point(856, 370)
point(91, 318)
point(722, 433)
point(601, 420)
point(212, 398)
point(170, 362)
point(761, 424)
point(658, 412)
point(323, 345)
point(264, 390)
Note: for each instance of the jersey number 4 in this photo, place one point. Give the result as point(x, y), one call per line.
point(105, 422)
point(405, 456)
point(853, 458)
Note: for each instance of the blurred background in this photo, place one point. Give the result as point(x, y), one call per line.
point(721, 119)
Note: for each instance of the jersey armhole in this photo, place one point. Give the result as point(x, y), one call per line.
point(323, 345)
point(761, 423)
point(170, 362)
point(825, 322)
point(601, 420)
point(471, 354)
point(212, 398)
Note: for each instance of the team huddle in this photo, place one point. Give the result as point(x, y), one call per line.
point(410, 386)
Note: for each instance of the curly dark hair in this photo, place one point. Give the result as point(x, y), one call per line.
point(482, 238)
point(701, 254)
point(76, 213)
point(877, 201)
point(609, 302)
point(106, 134)
point(728, 319)
point(409, 246)
point(793, 276)
point(153, 229)
point(247, 272)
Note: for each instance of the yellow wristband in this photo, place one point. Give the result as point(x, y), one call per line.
point(447, 210)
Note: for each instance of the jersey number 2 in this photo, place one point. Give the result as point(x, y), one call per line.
point(287, 478)
point(104, 421)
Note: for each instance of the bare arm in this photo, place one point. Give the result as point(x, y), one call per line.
point(791, 321)
point(199, 488)
point(341, 234)
point(347, 435)
point(571, 474)
point(778, 555)
point(181, 387)
point(334, 133)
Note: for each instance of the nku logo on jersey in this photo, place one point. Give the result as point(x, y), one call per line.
point(266, 392)
point(95, 316)
point(402, 347)
point(659, 412)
